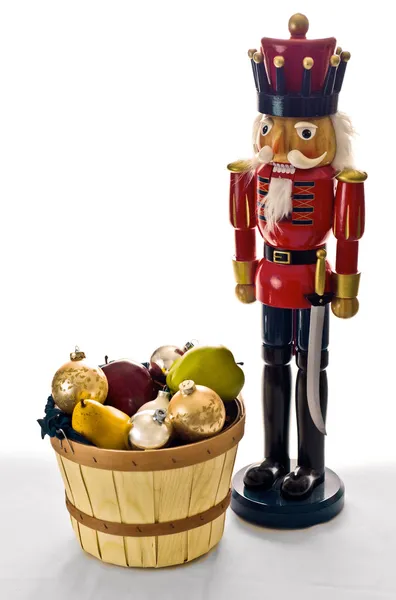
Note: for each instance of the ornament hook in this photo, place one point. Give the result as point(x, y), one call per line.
point(65, 438)
point(159, 416)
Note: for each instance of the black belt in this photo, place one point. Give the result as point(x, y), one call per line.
point(290, 257)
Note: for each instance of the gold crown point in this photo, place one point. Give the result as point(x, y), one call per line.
point(258, 57)
point(298, 25)
point(338, 50)
point(335, 60)
point(279, 61)
point(308, 63)
point(345, 56)
point(252, 52)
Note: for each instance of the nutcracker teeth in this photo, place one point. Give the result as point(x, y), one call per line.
point(283, 168)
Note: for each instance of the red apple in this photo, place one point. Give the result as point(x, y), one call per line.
point(130, 385)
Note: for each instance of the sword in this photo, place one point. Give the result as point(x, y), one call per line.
point(318, 300)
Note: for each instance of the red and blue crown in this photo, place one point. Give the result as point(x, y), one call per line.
point(298, 77)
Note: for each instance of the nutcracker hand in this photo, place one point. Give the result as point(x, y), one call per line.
point(246, 292)
point(345, 308)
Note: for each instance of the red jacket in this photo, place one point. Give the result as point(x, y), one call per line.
point(319, 205)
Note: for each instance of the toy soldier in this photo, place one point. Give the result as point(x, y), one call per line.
point(299, 186)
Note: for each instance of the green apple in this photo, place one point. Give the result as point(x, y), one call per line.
point(213, 366)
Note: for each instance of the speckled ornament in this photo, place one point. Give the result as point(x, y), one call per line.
point(196, 412)
point(77, 380)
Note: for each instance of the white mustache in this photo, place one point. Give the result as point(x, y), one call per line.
point(265, 155)
point(295, 158)
point(300, 161)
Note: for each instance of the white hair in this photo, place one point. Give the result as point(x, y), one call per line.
point(278, 203)
point(344, 133)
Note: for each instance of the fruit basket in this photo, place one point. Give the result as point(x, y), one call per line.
point(152, 508)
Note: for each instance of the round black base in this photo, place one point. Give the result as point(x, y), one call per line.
point(271, 510)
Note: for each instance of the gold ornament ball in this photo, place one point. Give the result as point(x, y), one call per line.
point(77, 380)
point(196, 412)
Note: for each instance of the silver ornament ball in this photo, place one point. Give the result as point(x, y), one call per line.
point(151, 430)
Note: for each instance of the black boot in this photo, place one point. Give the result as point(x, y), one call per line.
point(310, 469)
point(276, 405)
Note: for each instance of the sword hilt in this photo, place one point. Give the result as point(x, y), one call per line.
point(320, 273)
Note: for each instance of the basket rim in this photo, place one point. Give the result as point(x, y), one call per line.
point(155, 460)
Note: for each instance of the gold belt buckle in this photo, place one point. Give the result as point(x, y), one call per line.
point(281, 257)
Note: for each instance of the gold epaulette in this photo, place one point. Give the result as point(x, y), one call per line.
point(240, 166)
point(352, 176)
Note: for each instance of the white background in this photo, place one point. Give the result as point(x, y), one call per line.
point(117, 120)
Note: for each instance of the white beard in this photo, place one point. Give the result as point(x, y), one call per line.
point(278, 203)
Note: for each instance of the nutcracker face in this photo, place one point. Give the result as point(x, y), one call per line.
point(304, 143)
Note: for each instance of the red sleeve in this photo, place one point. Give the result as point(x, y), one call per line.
point(243, 214)
point(348, 225)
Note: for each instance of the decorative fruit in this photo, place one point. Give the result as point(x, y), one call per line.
point(104, 426)
point(77, 380)
point(196, 412)
point(212, 366)
point(150, 430)
point(161, 401)
point(130, 385)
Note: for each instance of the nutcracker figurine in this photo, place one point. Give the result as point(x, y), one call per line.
point(299, 186)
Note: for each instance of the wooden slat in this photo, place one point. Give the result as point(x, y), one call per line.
point(89, 541)
point(89, 538)
point(172, 490)
point(225, 480)
point(141, 552)
point(135, 492)
point(69, 494)
point(224, 486)
point(204, 489)
point(77, 485)
point(68, 491)
point(112, 549)
point(103, 496)
point(217, 531)
point(76, 529)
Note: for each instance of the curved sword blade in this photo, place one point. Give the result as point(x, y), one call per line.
point(313, 368)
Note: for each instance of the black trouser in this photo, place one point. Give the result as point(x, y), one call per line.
point(286, 331)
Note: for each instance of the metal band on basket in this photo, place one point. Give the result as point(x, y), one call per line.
point(150, 529)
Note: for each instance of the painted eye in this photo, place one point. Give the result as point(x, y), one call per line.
point(266, 126)
point(306, 131)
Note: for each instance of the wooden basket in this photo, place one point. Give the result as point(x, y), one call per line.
point(153, 508)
